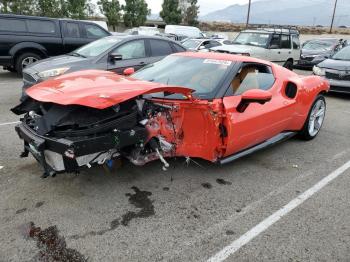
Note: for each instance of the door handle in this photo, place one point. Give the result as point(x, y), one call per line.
point(142, 63)
point(289, 52)
point(278, 52)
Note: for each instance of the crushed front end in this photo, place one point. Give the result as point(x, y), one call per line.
point(67, 138)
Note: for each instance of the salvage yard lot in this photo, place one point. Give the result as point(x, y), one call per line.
point(188, 213)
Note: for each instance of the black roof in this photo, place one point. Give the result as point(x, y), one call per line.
point(41, 18)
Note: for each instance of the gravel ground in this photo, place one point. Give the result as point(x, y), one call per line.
point(188, 213)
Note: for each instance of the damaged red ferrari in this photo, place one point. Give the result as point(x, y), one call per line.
point(217, 107)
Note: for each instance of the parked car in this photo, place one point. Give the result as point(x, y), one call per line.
point(113, 53)
point(217, 107)
point(316, 50)
point(336, 70)
point(280, 45)
point(143, 30)
point(27, 39)
point(189, 31)
point(203, 44)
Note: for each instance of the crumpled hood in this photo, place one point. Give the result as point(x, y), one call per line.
point(97, 89)
point(237, 48)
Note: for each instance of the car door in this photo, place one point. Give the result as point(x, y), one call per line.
point(258, 122)
point(73, 37)
point(133, 54)
point(159, 49)
point(286, 47)
point(296, 47)
point(93, 32)
point(274, 51)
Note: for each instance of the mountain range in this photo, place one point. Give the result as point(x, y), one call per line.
point(287, 12)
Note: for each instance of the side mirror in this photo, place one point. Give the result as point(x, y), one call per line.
point(115, 57)
point(253, 96)
point(274, 47)
point(128, 71)
point(202, 47)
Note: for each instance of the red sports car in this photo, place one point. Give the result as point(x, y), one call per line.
point(217, 107)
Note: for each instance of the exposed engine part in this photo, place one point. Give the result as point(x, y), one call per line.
point(165, 145)
point(32, 114)
point(144, 122)
point(161, 158)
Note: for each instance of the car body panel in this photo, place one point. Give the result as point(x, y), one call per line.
point(96, 89)
point(337, 72)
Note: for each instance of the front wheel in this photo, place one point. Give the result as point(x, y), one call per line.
point(315, 119)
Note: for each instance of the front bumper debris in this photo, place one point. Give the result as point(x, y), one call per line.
point(58, 155)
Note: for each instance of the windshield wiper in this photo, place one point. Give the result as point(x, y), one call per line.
point(76, 54)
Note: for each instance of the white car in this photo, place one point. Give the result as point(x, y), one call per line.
point(188, 31)
point(281, 46)
point(201, 44)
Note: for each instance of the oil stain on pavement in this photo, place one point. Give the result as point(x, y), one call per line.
point(52, 246)
point(207, 185)
point(221, 181)
point(140, 199)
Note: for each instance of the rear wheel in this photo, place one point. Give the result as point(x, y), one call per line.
point(289, 65)
point(25, 60)
point(315, 119)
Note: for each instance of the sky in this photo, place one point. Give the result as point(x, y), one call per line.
point(206, 6)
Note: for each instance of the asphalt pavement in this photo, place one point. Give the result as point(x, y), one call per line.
point(191, 212)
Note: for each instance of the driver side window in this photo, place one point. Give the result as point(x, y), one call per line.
point(132, 50)
point(251, 76)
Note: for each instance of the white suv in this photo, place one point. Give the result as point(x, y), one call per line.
point(280, 45)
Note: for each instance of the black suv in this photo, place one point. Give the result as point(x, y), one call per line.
point(26, 39)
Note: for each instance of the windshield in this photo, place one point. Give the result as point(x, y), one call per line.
point(318, 45)
point(202, 75)
point(256, 39)
point(97, 47)
point(343, 54)
point(191, 44)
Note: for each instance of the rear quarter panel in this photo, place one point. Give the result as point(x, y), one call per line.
point(309, 87)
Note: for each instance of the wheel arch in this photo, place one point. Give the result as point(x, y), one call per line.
point(25, 47)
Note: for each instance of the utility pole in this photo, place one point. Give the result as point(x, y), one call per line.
point(335, 7)
point(250, 1)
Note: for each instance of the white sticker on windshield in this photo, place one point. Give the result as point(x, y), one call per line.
point(217, 62)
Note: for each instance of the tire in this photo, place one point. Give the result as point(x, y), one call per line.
point(24, 60)
point(313, 122)
point(289, 65)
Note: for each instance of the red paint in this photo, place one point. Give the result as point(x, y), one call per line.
point(97, 89)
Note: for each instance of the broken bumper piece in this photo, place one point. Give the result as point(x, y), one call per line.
point(58, 155)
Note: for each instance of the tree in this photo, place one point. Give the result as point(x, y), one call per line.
point(111, 9)
point(50, 8)
point(191, 13)
point(4, 6)
point(19, 7)
point(77, 9)
point(135, 12)
point(171, 13)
